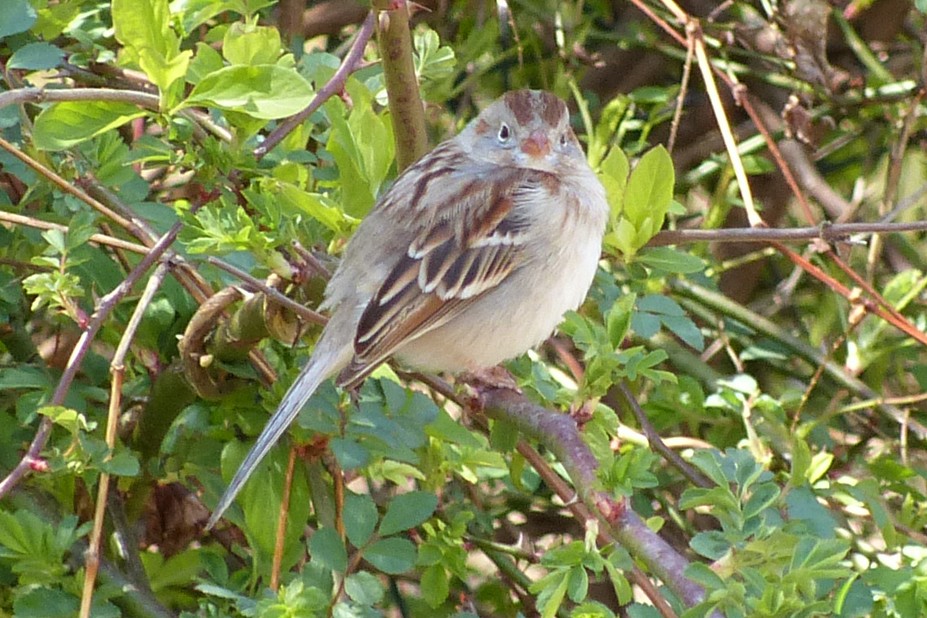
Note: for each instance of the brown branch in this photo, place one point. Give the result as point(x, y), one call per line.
point(560, 434)
point(405, 102)
point(134, 97)
point(117, 368)
point(829, 233)
point(100, 239)
point(656, 442)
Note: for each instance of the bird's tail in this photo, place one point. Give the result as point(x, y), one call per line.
point(327, 360)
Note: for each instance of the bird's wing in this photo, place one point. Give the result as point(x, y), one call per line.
point(466, 249)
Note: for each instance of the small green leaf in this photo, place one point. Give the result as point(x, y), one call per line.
point(435, 585)
point(24, 376)
point(392, 556)
point(360, 518)
point(315, 205)
point(684, 328)
point(206, 60)
point(327, 548)
point(65, 124)
point(503, 436)
point(578, 585)
point(144, 27)
point(618, 320)
point(36, 56)
point(649, 192)
point(669, 260)
point(265, 91)
point(123, 463)
point(248, 44)
point(702, 574)
point(350, 453)
point(407, 511)
point(365, 588)
point(609, 121)
point(614, 176)
point(762, 498)
point(433, 61)
point(15, 16)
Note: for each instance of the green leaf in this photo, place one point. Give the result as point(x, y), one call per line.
point(327, 548)
point(649, 193)
point(206, 60)
point(365, 588)
point(433, 61)
point(261, 500)
point(761, 499)
point(578, 585)
point(363, 149)
point(315, 205)
point(350, 453)
point(265, 91)
point(65, 124)
point(36, 56)
point(360, 518)
point(143, 26)
point(44, 602)
point(122, 463)
point(435, 585)
point(622, 237)
point(392, 556)
point(671, 261)
point(684, 328)
point(248, 44)
point(503, 436)
point(609, 121)
point(550, 590)
point(15, 16)
point(618, 319)
point(24, 376)
point(614, 177)
point(702, 574)
point(407, 511)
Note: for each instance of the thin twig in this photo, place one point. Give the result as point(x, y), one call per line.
point(829, 233)
point(656, 442)
point(117, 368)
point(100, 239)
point(301, 310)
point(65, 186)
point(334, 86)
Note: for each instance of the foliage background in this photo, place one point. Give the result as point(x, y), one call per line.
point(790, 378)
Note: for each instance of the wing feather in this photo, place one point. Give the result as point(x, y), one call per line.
point(449, 263)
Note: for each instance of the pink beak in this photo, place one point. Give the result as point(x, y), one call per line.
point(536, 144)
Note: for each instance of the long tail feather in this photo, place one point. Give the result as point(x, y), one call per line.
point(326, 361)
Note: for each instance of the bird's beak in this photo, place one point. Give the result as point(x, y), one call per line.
point(536, 144)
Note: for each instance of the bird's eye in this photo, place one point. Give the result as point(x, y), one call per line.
point(504, 132)
point(563, 140)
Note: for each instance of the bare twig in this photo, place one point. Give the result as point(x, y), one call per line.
point(334, 86)
point(656, 442)
point(117, 368)
point(100, 239)
point(829, 233)
point(301, 310)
